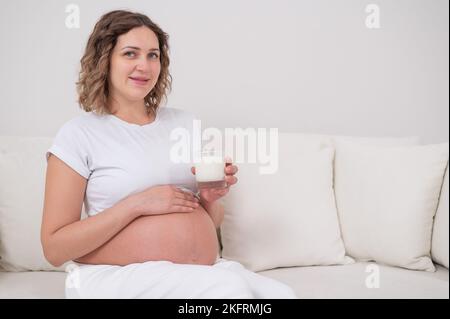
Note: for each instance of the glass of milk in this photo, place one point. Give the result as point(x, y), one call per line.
point(210, 170)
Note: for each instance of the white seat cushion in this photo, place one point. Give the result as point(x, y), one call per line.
point(32, 284)
point(349, 281)
point(308, 282)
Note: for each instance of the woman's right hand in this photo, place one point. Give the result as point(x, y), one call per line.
point(164, 199)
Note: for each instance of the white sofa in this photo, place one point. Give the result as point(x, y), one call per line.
point(269, 234)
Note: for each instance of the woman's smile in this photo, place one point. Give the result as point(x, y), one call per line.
point(140, 81)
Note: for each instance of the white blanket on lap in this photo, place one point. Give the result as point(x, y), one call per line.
point(163, 279)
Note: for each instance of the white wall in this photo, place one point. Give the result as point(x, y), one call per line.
point(305, 66)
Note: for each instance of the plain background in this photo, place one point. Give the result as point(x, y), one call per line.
point(307, 66)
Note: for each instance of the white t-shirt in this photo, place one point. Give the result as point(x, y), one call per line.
point(119, 158)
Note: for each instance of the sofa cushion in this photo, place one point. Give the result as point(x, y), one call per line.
point(32, 284)
point(440, 241)
point(347, 281)
point(386, 198)
point(287, 218)
point(363, 281)
point(22, 171)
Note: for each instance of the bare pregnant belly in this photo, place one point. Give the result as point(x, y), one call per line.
point(186, 238)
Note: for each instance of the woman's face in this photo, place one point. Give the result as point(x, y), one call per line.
point(135, 65)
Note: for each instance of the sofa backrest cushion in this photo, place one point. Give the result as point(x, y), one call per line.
point(287, 218)
point(386, 199)
point(22, 185)
point(440, 241)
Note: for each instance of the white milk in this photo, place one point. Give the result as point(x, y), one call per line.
point(209, 172)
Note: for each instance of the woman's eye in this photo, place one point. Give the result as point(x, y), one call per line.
point(154, 55)
point(129, 54)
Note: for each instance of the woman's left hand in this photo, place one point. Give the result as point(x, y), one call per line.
point(212, 194)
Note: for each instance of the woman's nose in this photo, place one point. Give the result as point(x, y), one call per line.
point(143, 64)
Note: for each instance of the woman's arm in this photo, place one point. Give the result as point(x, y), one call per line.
point(64, 236)
point(81, 237)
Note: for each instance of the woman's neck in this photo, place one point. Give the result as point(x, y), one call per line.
point(133, 112)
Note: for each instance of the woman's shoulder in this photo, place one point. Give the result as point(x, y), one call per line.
point(82, 121)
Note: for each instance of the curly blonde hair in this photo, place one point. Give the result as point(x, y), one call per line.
point(92, 85)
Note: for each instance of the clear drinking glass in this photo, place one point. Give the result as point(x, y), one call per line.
point(210, 170)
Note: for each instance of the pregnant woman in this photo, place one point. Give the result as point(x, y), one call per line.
point(148, 234)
